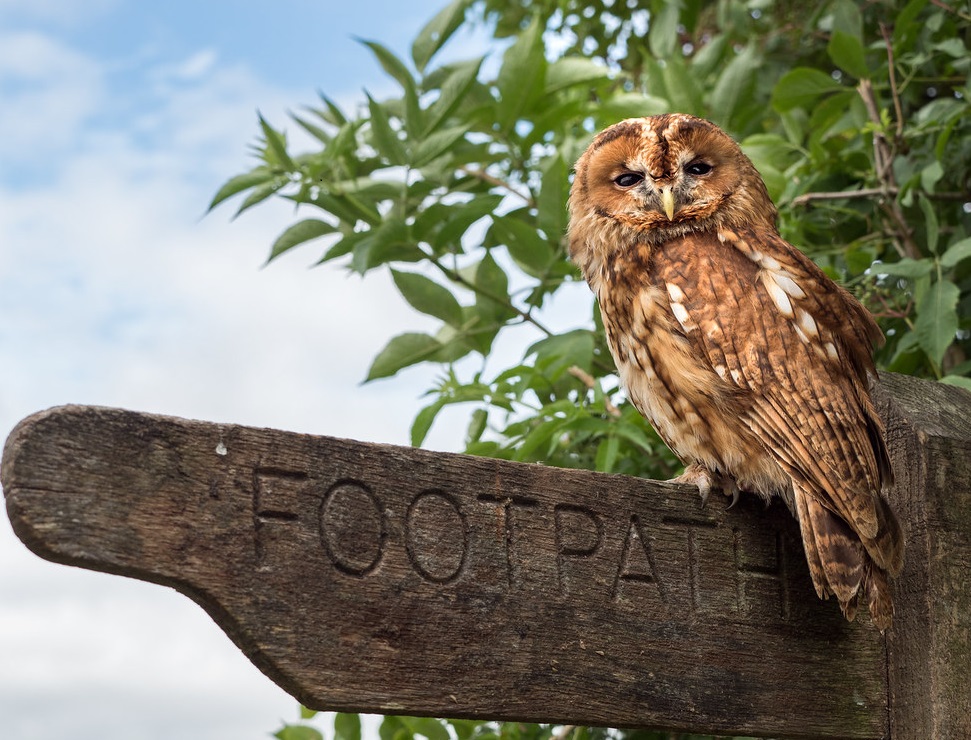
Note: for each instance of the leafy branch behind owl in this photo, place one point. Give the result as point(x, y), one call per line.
point(457, 185)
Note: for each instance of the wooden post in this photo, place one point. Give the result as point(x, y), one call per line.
point(929, 648)
point(365, 577)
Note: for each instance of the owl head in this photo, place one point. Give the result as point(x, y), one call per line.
point(657, 178)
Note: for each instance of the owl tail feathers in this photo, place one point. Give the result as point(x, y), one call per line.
point(887, 548)
point(840, 564)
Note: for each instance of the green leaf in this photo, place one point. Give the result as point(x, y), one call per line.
point(261, 193)
point(384, 137)
point(800, 87)
point(937, 319)
point(307, 713)
point(461, 216)
point(931, 225)
point(477, 425)
point(633, 105)
point(847, 53)
point(333, 115)
point(570, 71)
point(343, 246)
point(565, 350)
point(433, 729)
point(554, 190)
point(240, 183)
point(276, 145)
point(635, 435)
point(429, 297)
point(768, 148)
point(298, 732)
point(905, 27)
point(423, 422)
point(735, 84)
point(846, 18)
point(492, 302)
point(930, 175)
point(456, 342)
point(437, 32)
point(525, 245)
point(300, 232)
point(607, 454)
point(345, 209)
point(313, 129)
point(709, 56)
point(956, 252)
point(347, 726)
point(390, 728)
point(390, 63)
point(662, 34)
point(959, 380)
point(452, 92)
point(683, 90)
point(439, 143)
point(907, 268)
point(388, 242)
point(397, 69)
point(952, 47)
point(522, 75)
point(403, 350)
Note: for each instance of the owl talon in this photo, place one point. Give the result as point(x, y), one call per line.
point(735, 496)
point(695, 475)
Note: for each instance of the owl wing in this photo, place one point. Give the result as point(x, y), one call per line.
point(771, 323)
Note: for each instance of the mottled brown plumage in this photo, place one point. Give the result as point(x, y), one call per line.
point(752, 365)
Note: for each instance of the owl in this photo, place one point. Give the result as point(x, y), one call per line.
point(752, 365)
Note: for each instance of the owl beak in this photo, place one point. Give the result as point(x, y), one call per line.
point(667, 202)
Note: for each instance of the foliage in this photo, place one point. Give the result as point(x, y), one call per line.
point(457, 185)
point(413, 728)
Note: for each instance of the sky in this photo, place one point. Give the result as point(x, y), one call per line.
point(119, 120)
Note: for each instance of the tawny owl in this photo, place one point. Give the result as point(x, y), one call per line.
point(751, 364)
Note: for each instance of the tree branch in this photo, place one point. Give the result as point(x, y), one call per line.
point(457, 277)
point(883, 160)
point(806, 198)
point(898, 111)
point(588, 380)
point(497, 182)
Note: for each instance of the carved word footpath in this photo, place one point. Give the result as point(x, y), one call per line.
point(501, 543)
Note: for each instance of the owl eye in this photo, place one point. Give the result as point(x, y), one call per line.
point(628, 179)
point(698, 168)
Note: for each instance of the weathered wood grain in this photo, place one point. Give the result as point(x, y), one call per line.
point(366, 577)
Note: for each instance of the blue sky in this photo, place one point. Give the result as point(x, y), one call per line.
point(118, 121)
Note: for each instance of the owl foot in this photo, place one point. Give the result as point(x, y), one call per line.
point(702, 478)
point(698, 476)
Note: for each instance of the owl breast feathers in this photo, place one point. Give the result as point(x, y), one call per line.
point(751, 364)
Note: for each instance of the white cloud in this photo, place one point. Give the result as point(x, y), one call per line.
point(49, 91)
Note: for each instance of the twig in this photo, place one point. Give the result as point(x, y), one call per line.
point(945, 6)
point(805, 198)
point(890, 312)
point(898, 110)
point(457, 277)
point(587, 379)
point(881, 147)
point(497, 182)
point(883, 159)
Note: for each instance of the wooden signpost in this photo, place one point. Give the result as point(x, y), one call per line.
point(363, 577)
